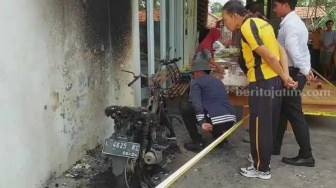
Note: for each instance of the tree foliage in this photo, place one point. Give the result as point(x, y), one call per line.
point(216, 7)
point(219, 15)
point(142, 5)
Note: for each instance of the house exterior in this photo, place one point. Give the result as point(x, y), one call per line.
point(311, 14)
point(212, 20)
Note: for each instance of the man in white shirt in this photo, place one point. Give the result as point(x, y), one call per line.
point(293, 36)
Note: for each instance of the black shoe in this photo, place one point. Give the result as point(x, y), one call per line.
point(194, 146)
point(297, 161)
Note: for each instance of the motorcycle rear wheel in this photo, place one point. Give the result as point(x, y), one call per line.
point(125, 181)
point(129, 179)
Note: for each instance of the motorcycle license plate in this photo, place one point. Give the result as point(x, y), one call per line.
point(121, 148)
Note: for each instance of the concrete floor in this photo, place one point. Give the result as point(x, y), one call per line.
point(221, 166)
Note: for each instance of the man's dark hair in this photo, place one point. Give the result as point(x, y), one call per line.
point(256, 7)
point(329, 21)
point(291, 3)
point(235, 6)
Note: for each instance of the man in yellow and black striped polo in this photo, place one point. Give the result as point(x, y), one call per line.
point(266, 74)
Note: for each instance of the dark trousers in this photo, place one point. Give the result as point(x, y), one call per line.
point(190, 121)
point(291, 109)
point(315, 59)
point(264, 102)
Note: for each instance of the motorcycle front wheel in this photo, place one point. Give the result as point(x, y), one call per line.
point(167, 122)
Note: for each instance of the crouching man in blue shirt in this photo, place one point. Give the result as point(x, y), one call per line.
point(211, 104)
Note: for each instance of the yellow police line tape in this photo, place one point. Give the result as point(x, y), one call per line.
point(316, 113)
point(178, 173)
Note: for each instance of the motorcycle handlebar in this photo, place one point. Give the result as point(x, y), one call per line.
point(134, 80)
point(163, 62)
point(174, 60)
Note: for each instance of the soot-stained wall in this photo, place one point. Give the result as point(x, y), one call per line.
point(122, 43)
point(57, 76)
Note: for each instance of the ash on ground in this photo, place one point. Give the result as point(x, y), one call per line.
point(95, 171)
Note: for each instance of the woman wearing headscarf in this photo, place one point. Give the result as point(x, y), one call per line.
point(205, 49)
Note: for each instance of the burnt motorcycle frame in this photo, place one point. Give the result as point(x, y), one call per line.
point(157, 106)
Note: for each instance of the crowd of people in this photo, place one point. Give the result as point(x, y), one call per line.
point(271, 61)
point(323, 53)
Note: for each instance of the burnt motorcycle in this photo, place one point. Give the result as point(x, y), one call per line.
point(143, 137)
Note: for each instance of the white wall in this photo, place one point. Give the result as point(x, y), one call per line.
point(191, 39)
point(53, 91)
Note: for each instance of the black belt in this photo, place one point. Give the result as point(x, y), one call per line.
point(294, 71)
